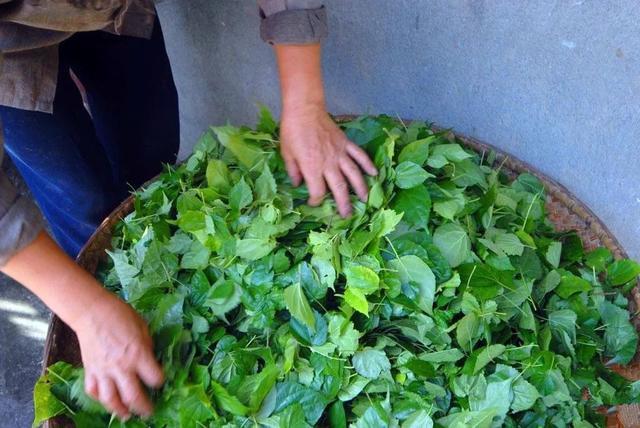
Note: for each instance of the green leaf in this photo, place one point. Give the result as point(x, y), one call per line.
point(486, 282)
point(409, 174)
point(266, 123)
point(510, 244)
point(247, 153)
point(254, 388)
point(524, 395)
point(529, 183)
point(442, 154)
point(412, 270)
point(355, 387)
point(192, 221)
point(487, 355)
point(266, 187)
point(563, 326)
point(169, 311)
point(385, 222)
point(467, 331)
point(199, 324)
point(480, 419)
point(447, 356)
point(362, 278)
point(357, 300)
point(371, 418)
point(195, 407)
point(337, 415)
point(571, 284)
point(293, 417)
point(218, 176)
point(598, 259)
point(228, 402)
point(450, 207)
point(467, 173)
point(223, 297)
point(453, 242)
point(370, 363)
point(343, 334)
point(376, 195)
point(254, 248)
point(418, 419)
point(45, 403)
point(497, 397)
point(311, 400)
point(240, 195)
point(416, 151)
point(414, 204)
point(529, 265)
point(298, 306)
point(621, 338)
point(622, 271)
point(197, 257)
point(421, 368)
point(125, 270)
point(553, 254)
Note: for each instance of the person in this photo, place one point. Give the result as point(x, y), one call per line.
point(79, 161)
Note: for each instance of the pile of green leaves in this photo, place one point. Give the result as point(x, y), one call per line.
point(446, 300)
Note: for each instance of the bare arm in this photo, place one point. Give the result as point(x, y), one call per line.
point(314, 148)
point(114, 341)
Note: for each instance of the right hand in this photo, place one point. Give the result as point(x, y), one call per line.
point(117, 353)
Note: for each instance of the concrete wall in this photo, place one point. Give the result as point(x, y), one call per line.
point(555, 83)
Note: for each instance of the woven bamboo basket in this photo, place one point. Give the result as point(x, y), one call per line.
point(564, 210)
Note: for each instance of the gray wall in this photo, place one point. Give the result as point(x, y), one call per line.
point(555, 83)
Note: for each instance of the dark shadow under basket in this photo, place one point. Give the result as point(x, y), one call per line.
point(564, 210)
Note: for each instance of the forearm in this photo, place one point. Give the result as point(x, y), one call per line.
point(300, 77)
point(61, 284)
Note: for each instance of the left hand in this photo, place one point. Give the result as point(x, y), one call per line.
point(317, 151)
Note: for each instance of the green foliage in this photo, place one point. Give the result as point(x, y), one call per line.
point(447, 299)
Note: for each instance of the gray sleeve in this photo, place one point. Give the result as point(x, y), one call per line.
point(20, 219)
point(293, 22)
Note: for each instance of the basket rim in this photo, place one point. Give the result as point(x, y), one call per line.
point(552, 188)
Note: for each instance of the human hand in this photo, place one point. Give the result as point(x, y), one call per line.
point(317, 151)
point(117, 353)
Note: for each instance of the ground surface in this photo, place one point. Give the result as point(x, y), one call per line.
point(23, 326)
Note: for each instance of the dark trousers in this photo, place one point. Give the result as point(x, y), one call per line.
point(80, 165)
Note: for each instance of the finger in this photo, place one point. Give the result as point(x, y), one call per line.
point(149, 370)
point(340, 190)
point(132, 394)
point(110, 398)
point(292, 169)
point(91, 385)
point(315, 184)
point(362, 158)
point(354, 175)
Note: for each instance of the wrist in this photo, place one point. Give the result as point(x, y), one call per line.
point(303, 108)
point(93, 304)
point(300, 78)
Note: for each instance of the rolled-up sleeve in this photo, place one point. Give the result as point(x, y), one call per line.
point(293, 22)
point(20, 218)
